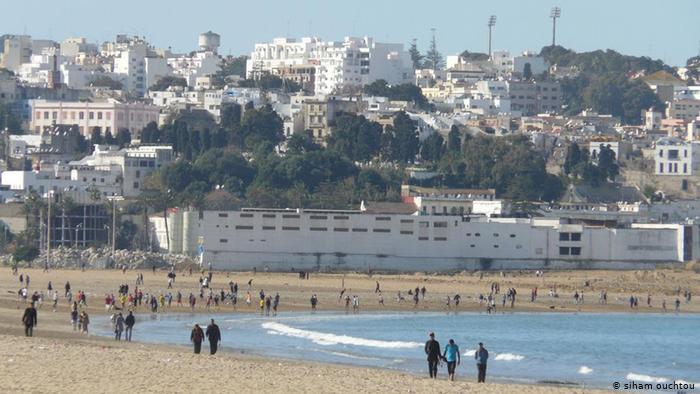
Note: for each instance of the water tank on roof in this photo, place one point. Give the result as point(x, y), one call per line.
point(209, 41)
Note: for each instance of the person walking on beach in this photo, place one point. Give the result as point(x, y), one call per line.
point(481, 356)
point(432, 350)
point(118, 327)
point(84, 322)
point(74, 316)
point(214, 336)
point(129, 322)
point(196, 337)
point(29, 319)
point(452, 357)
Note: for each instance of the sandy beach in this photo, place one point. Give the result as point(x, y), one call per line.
point(60, 360)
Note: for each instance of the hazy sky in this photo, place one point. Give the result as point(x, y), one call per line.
point(668, 29)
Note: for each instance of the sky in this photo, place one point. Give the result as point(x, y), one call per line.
point(669, 30)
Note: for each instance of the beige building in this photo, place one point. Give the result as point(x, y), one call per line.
point(106, 116)
point(319, 115)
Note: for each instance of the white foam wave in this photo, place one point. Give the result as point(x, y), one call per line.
point(348, 355)
point(469, 353)
point(327, 339)
point(584, 370)
point(645, 378)
point(508, 357)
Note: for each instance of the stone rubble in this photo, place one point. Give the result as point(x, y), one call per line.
point(101, 258)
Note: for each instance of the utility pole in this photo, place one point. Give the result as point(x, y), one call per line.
point(556, 13)
point(491, 24)
point(48, 232)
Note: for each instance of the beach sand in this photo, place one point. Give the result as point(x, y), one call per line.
point(60, 360)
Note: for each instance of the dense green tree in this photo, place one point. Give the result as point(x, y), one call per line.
point(432, 148)
point(96, 136)
point(231, 116)
point(474, 56)
point(109, 138)
point(301, 142)
point(355, 137)
point(150, 134)
point(404, 142)
point(454, 139)
point(573, 158)
point(259, 126)
point(405, 92)
point(416, 56)
point(168, 81)
point(232, 66)
point(123, 137)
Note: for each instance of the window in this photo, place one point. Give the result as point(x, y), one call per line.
point(267, 228)
point(223, 240)
point(381, 230)
point(290, 228)
point(269, 215)
point(382, 218)
point(223, 215)
point(477, 234)
point(495, 246)
point(406, 220)
point(575, 236)
point(244, 227)
point(99, 115)
point(440, 224)
point(340, 229)
point(512, 235)
point(317, 217)
point(423, 224)
point(318, 229)
point(423, 238)
point(136, 185)
point(406, 232)
point(359, 230)
point(575, 251)
point(440, 239)
point(564, 251)
point(290, 216)
point(91, 115)
point(564, 236)
point(472, 246)
point(246, 215)
point(469, 234)
point(495, 234)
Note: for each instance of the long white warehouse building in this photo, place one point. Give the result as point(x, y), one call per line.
point(285, 240)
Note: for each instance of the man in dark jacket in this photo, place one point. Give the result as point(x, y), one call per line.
point(432, 350)
point(129, 322)
point(481, 356)
point(29, 320)
point(214, 336)
point(197, 336)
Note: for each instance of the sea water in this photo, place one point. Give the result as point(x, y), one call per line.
point(584, 348)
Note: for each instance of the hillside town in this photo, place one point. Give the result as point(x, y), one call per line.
point(347, 153)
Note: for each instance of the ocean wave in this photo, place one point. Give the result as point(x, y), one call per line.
point(349, 355)
point(508, 357)
point(584, 370)
point(645, 378)
point(327, 339)
point(469, 353)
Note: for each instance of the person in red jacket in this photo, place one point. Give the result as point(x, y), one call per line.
point(197, 336)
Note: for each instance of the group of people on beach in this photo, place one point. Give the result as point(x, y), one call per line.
point(452, 358)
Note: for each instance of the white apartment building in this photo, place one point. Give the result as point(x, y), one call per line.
point(132, 165)
point(192, 67)
point(339, 65)
point(16, 50)
point(108, 116)
point(673, 156)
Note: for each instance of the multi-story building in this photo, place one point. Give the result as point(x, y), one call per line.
point(15, 50)
point(319, 114)
point(338, 65)
point(531, 98)
point(673, 156)
point(683, 109)
point(105, 116)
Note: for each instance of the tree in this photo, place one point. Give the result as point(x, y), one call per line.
point(150, 134)
point(474, 56)
point(416, 56)
point(404, 92)
point(355, 137)
point(260, 126)
point(124, 137)
point(230, 67)
point(231, 116)
point(527, 71)
point(433, 58)
point(96, 136)
point(301, 143)
point(432, 148)
point(607, 163)
point(404, 139)
point(109, 138)
point(454, 139)
point(614, 94)
point(168, 81)
point(573, 158)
